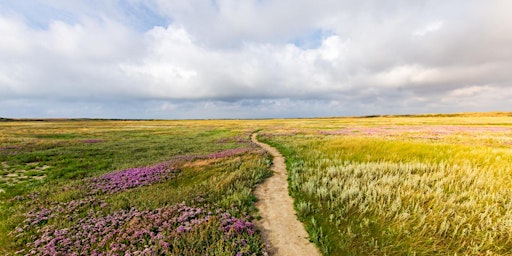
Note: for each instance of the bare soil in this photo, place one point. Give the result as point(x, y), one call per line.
point(279, 225)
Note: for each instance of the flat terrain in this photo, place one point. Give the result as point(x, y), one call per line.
point(382, 185)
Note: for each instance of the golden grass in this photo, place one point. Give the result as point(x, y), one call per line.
point(393, 190)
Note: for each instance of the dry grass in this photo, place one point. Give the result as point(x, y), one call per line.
point(380, 190)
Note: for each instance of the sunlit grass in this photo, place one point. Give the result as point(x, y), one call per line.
point(399, 192)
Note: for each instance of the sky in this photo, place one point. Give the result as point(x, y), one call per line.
point(202, 59)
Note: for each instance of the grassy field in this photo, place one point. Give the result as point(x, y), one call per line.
point(403, 186)
point(145, 187)
point(410, 185)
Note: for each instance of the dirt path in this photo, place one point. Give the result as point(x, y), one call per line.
point(279, 225)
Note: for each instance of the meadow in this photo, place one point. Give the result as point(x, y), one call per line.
point(382, 185)
point(143, 187)
point(403, 186)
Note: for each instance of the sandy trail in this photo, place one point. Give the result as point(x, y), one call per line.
point(279, 225)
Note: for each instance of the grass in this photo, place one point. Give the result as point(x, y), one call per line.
point(379, 185)
point(403, 188)
point(51, 210)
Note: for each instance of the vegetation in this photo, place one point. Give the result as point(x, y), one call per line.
point(408, 187)
point(378, 185)
point(93, 187)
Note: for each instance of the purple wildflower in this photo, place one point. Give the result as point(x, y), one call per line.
point(125, 232)
point(120, 232)
point(130, 178)
point(232, 226)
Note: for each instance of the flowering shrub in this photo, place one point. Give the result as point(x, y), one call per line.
point(131, 178)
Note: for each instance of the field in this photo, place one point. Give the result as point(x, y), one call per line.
point(403, 186)
point(153, 187)
point(410, 185)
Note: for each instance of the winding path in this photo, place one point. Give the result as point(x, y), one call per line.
point(279, 225)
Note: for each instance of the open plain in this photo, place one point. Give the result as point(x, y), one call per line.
point(382, 185)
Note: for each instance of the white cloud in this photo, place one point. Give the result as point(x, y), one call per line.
point(365, 57)
point(14, 30)
point(431, 27)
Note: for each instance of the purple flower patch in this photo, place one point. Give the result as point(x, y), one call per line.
point(232, 226)
point(132, 231)
point(130, 178)
point(87, 230)
point(71, 210)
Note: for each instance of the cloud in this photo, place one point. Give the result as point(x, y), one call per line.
point(253, 58)
point(430, 28)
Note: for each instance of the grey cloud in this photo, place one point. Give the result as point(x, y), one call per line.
point(238, 57)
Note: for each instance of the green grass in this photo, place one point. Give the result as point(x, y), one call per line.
point(127, 146)
point(66, 154)
point(382, 194)
point(382, 185)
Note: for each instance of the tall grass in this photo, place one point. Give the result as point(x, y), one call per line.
point(375, 194)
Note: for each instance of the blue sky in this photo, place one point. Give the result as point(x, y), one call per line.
point(253, 59)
